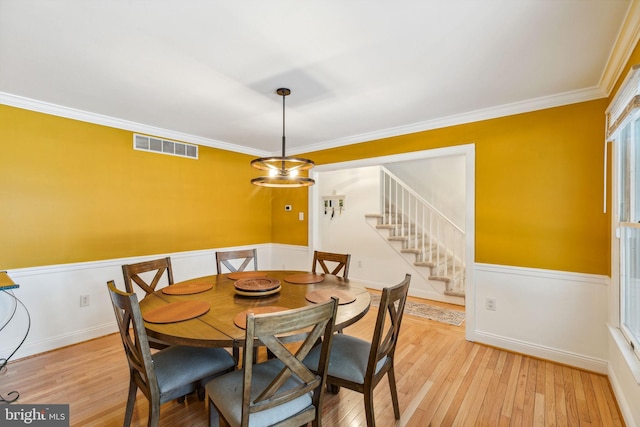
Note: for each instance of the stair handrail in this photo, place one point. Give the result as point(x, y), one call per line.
point(417, 196)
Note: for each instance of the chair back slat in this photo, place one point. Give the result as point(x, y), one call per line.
point(246, 255)
point(134, 338)
point(278, 331)
point(392, 303)
point(132, 274)
point(337, 263)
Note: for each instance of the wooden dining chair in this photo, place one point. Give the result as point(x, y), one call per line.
point(147, 275)
point(281, 391)
point(360, 365)
point(246, 255)
point(337, 262)
point(132, 274)
point(167, 374)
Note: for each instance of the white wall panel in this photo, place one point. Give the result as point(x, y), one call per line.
point(554, 315)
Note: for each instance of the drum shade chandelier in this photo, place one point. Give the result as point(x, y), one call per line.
point(283, 171)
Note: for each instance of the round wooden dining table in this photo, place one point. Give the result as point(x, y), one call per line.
point(223, 301)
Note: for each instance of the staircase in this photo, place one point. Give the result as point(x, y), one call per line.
point(436, 243)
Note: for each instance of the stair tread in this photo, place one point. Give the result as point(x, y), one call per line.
point(455, 293)
point(424, 264)
point(410, 251)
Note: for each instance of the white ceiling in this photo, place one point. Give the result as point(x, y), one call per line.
point(206, 71)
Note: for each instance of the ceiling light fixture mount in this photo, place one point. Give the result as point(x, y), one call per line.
point(284, 172)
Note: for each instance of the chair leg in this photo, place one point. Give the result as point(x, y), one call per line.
point(154, 413)
point(236, 355)
point(214, 416)
point(201, 393)
point(368, 407)
point(394, 392)
point(131, 401)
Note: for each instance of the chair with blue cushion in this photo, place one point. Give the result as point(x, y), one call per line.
point(167, 374)
point(281, 391)
point(360, 365)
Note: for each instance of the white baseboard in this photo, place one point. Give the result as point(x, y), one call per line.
point(552, 354)
point(42, 346)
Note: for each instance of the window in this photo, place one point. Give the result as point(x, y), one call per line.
point(628, 226)
point(623, 126)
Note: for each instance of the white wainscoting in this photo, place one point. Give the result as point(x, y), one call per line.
point(52, 295)
point(553, 315)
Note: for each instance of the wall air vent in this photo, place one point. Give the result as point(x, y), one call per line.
point(163, 146)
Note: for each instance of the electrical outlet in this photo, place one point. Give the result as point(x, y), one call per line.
point(84, 300)
point(490, 304)
point(359, 264)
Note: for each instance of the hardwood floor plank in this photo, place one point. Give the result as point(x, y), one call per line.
point(583, 410)
point(489, 413)
point(517, 413)
point(476, 392)
point(443, 377)
point(510, 392)
point(590, 398)
point(560, 397)
point(614, 411)
point(549, 396)
point(570, 395)
point(528, 408)
point(448, 408)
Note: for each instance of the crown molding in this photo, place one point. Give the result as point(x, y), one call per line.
point(626, 41)
point(459, 119)
point(99, 119)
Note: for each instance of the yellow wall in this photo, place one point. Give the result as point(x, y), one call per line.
point(539, 184)
point(73, 191)
point(286, 227)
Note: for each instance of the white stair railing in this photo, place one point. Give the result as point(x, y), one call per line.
point(433, 237)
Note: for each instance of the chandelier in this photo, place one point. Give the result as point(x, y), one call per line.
point(282, 171)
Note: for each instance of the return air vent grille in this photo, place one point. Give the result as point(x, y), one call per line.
point(163, 146)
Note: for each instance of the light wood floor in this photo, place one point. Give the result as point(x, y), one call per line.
point(442, 380)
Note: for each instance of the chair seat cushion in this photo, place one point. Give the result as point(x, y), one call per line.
point(348, 359)
point(178, 365)
point(226, 394)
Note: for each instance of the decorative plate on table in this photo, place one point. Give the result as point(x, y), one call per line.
point(240, 319)
point(319, 296)
point(189, 287)
point(304, 278)
point(261, 284)
point(257, 294)
point(246, 275)
point(176, 312)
